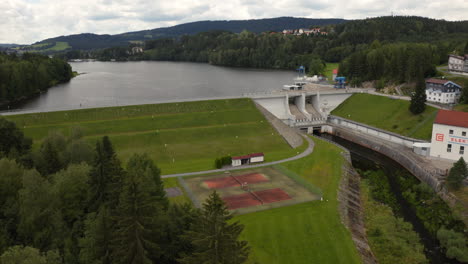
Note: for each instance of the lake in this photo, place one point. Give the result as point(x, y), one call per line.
point(127, 83)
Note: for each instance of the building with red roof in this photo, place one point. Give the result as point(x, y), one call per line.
point(247, 159)
point(450, 135)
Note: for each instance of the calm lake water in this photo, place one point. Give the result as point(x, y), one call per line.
point(127, 83)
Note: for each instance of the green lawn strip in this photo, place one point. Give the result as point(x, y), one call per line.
point(461, 107)
point(181, 137)
point(155, 123)
point(60, 45)
point(388, 114)
point(120, 112)
point(417, 132)
point(309, 232)
point(330, 66)
point(391, 239)
point(298, 179)
point(195, 149)
point(173, 182)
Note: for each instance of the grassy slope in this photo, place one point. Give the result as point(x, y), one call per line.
point(59, 46)
point(463, 108)
point(181, 137)
point(329, 70)
point(389, 114)
point(305, 233)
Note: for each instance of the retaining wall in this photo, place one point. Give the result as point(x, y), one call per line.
point(404, 156)
point(373, 131)
point(350, 208)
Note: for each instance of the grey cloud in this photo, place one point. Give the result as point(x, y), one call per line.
point(27, 21)
point(104, 17)
point(159, 18)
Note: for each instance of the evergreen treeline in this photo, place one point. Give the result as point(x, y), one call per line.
point(400, 62)
point(67, 202)
point(24, 76)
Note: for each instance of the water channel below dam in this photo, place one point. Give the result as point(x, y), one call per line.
point(366, 159)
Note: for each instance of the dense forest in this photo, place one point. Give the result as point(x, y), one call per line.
point(29, 74)
point(67, 202)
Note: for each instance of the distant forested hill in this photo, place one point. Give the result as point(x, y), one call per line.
point(89, 41)
point(394, 49)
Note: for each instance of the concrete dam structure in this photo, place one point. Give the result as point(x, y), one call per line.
point(303, 109)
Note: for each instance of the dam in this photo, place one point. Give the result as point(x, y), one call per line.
point(304, 109)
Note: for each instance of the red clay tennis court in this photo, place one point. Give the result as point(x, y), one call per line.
point(230, 181)
point(272, 195)
point(241, 201)
point(256, 198)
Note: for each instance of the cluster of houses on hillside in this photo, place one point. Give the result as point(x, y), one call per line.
point(458, 64)
point(304, 31)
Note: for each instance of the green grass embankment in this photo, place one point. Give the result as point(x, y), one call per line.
point(310, 232)
point(462, 107)
point(388, 114)
point(179, 137)
point(329, 70)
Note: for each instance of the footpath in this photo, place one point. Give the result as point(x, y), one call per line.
point(308, 151)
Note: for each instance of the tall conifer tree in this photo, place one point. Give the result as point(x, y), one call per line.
point(418, 99)
point(138, 217)
point(214, 239)
point(105, 178)
point(144, 165)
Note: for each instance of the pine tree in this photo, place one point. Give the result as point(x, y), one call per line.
point(457, 174)
point(178, 221)
point(418, 99)
point(141, 163)
point(138, 219)
point(95, 245)
point(52, 163)
point(214, 239)
point(105, 179)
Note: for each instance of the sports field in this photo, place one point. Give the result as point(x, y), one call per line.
point(309, 232)
point(389, 114)
point(251, 190)
point(180, 137)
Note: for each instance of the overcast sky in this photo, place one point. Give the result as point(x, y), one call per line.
point(28, 21)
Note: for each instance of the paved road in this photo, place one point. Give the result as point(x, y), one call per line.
point(308, 151)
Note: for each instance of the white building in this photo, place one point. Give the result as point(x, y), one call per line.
point(450, 135)
point(458, 63)
point(247, 159)
point(442, 91)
